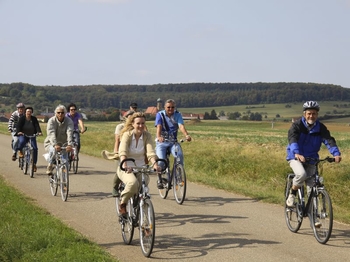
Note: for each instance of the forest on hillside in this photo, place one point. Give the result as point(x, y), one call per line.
point(101, 97)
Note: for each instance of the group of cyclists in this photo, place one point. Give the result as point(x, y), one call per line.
point(132, 140)
point(60, 127)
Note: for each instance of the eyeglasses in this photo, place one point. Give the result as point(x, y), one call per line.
point(171, 107)
point(60, 113)
point(72, 109)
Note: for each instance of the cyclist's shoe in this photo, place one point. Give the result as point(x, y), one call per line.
point(290, 200)
point(122, 209)
point(20, 154)
point(115, 193)
point(34, 168)
point(49, 169)
point(160, 185)
point(14, 157)
point(318, 224)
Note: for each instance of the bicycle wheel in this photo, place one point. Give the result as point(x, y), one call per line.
point(322, 216)
point(164, 191)
point(53, 183)
point(126, 222)
point(25, 160)
point(31, 164)
point(147, 226)
point(75, 160)
point(179, 184)
point(292, 214)
point(64, 182)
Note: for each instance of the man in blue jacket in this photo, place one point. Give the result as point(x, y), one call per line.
point(305, 139)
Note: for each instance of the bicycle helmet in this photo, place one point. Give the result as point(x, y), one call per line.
point(20, 105)
point(311, 105)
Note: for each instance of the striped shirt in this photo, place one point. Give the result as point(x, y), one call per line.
point(13, 121)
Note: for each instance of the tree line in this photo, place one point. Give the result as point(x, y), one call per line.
point(102, 97)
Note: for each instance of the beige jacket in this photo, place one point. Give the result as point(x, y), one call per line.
point(147, 142)
point(58, 132)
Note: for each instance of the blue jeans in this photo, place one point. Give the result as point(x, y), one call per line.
point(161, 150)
point(22, 140)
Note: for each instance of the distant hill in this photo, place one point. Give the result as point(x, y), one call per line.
point(101, 97)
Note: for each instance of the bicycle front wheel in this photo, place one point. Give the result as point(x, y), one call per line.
point(75, 161)
point(31, 164)
point(64, 182)
point(147, 226)
point(25, 162)
point(53, 183)
point(322, 216)
point(163, 192)
point(293, 214)
point(179, 184)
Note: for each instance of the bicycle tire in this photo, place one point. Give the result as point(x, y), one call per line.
point(147, 226)
point(126, 222)
point(53, 184)
point(179, 183)
point(293, 215)
point(322, 212)
point(31, 164)
point(64, 182)
point(75, 161)
point(163, 192)
point(25, 162)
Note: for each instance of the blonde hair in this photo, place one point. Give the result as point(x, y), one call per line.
point(129, 121)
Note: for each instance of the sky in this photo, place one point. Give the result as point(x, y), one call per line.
point(146, 42)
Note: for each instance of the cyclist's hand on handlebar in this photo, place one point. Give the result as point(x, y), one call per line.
point(128, 169)
point(69, 148)
point(157, 168)
point(301, 158)
point(337, 159)
point(160, 139)
point(58, 148)
point(188, 138)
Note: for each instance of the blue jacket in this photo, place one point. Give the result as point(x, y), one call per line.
point(308, 142)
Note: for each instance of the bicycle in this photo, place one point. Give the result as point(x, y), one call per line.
point(176, 177)
point(27, 161)
point(61, 176)
point(73, 156)
point(318, 207)
point(140, 212)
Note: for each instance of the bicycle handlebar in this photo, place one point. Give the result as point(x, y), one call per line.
point(145, 169)
point(317, 160)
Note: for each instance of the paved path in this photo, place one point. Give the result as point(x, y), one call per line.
point(211, 225)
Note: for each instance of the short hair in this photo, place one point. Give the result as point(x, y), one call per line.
point(60, 107)
point(133, 104)
point(71, 105)
point(29, 107)
point(171, 101)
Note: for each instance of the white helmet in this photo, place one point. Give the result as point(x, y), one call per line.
point(311, 105)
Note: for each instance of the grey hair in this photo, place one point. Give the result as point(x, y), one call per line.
point(172, 101)
point(60, 107)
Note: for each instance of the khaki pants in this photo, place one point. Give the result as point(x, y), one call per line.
point(132, 184)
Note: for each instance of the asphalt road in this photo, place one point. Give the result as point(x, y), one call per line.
point(211, 225)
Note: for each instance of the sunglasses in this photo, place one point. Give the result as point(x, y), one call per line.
point(171, 107)
point(60, 113)
point(72, 109)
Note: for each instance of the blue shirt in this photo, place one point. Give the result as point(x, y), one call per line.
point(169, 129)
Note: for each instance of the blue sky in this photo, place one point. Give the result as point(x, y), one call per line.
point(83, 42)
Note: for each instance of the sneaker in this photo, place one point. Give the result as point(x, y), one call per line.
point(34, 167)
point(290, 200)
point(318, 224)
point(14, 157)
point(160, 184)
point(49, 169)
point(122, 209)
point(20, 154)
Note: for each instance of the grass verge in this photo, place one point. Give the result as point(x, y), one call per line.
point(28, 233)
